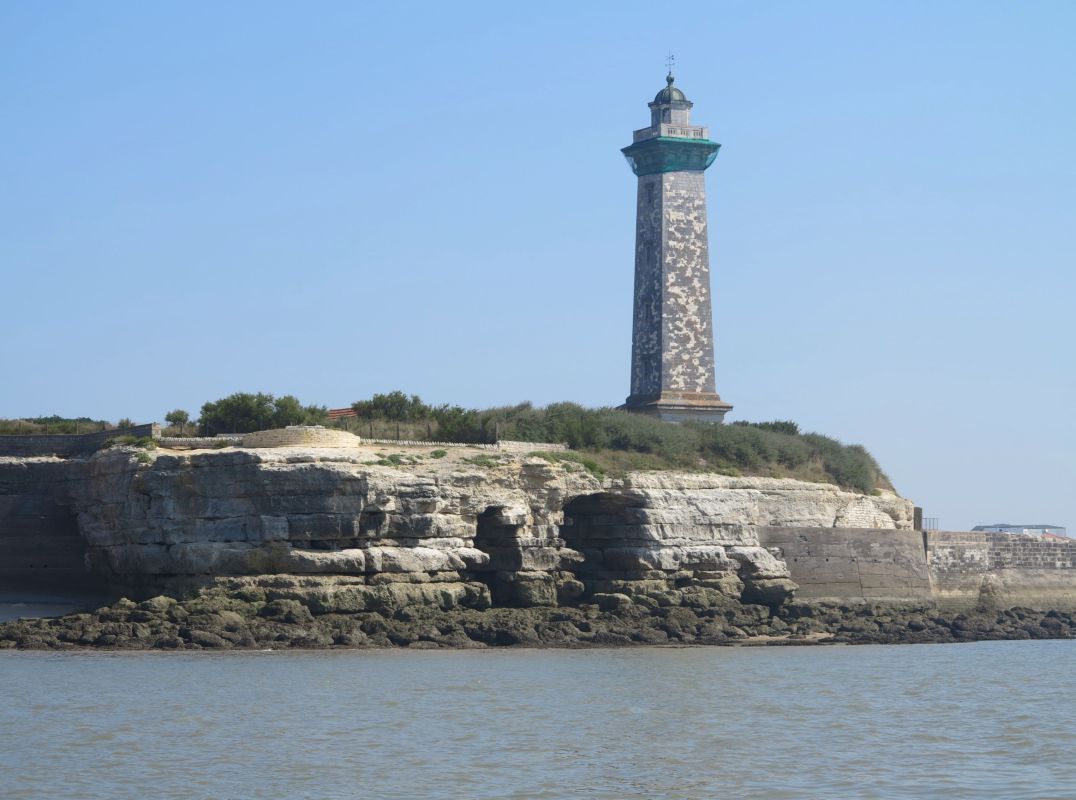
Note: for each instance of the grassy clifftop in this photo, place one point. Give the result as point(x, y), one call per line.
point(615, 441)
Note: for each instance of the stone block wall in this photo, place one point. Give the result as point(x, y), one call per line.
point(969, 568)
point(201, 442)
point(69, 444)
point(317, 436)
point(301, 436)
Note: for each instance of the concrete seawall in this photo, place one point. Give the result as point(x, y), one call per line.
point(853, 563)
point(42, 551)
point(955, 569)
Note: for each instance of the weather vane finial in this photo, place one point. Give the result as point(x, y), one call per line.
point(670, 62)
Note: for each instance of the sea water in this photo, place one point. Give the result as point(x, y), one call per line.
point(986, 720)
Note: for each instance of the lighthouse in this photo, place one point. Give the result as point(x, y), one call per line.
point(672, 350)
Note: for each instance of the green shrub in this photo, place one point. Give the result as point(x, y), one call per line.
point(244, 412)
point(145, 442)
point(395, 406)
point(614, 441)
point(482, 460)
point(52, 424)
point(438, 454)
point(589, 463)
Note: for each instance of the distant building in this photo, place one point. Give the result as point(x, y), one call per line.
point(1027, 530)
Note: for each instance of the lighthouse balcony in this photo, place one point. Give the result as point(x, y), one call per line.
point(671, 131)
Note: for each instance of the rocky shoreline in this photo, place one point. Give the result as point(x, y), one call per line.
point(352, 547)
point(221, 619)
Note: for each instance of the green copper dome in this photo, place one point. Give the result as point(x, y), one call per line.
point(670, 94)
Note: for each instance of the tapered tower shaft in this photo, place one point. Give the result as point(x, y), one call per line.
point(672, 363)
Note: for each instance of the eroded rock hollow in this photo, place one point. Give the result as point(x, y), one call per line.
point(344, 534)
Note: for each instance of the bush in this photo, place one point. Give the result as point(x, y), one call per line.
point(848, 465)
point(591, 465)
point(395, 406)
point(52, 424)
point(243, 412)
point(145, 442)
point(614, 440)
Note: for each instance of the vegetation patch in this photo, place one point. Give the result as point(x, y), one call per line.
point(605, 441)
point(394, 460)
point(52, 424)
point(244, 412)
point(482, 460)
point(612, 441)
point(571, 460)
point(144, 442)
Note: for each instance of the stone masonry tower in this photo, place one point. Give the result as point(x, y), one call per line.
point(672, 351)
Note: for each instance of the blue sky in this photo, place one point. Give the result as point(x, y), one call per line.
point(336, 199)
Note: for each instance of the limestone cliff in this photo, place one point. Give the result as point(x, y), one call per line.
point(470, 529)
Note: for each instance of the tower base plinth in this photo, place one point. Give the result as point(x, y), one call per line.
point(680, 406)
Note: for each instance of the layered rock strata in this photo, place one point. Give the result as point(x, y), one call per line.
point(349, 533)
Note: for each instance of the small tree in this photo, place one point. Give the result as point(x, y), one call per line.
point(395, 406)
point(244, 412)
point(287, 410)
point(178, 418)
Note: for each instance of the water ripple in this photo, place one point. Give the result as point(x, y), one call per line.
point(953, 721)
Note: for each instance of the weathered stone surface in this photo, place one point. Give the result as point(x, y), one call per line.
point(672, 372)
point(359, 535)
point(998, 570)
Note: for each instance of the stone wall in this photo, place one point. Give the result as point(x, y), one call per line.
point(301, 436)
point(504, 445)
point(841, 564)
point(67, 445)
point(201, 442)
point(41, 549)
point(1002, 570)
point(954, 569)
point(287, 440)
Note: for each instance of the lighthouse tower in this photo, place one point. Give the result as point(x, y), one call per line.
point(672, 351)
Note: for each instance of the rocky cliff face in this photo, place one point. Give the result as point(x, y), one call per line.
point(349, 534)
